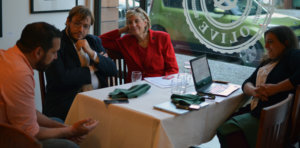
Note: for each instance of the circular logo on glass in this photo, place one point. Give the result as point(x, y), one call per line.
point(228, 26)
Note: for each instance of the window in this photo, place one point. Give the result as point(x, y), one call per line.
point(198, 27)
point(124, 5)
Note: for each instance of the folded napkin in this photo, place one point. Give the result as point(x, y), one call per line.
point(187, 99)
point(132, 92)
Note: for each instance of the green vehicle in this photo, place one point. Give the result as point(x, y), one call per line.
point(169, 16)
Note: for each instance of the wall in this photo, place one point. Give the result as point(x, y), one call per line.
point(15, 15)
point(109, 15)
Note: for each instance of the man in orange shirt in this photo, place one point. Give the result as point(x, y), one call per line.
point(36, 49)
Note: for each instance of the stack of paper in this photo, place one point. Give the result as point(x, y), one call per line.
point(166, 81)
point(159, 81)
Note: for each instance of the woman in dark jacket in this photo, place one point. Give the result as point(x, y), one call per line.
point(276, 77)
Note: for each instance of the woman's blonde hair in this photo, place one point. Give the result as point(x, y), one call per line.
point(141, 13)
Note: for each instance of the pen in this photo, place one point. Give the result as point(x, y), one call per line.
point(224, 82)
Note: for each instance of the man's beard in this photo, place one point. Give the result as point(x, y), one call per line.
point(70, 35)
point(41, 66)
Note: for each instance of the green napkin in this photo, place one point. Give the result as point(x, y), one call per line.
point(132, 92)
point(187, 99)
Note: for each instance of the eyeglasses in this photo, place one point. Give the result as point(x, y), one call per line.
point(78, 25)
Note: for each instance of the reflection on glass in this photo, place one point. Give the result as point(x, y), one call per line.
point(168, 16)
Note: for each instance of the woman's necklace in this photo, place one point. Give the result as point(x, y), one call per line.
point(144, 43)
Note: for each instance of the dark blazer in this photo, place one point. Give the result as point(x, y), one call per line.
point(65, 76)
point(287, 68)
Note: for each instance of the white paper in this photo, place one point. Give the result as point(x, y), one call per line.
point(162, 82)
point(159, 81)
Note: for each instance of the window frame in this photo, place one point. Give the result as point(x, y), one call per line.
point(97, 14)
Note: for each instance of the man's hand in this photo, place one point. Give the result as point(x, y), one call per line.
point(84, 45)
point(76, 132)
point(104, 54)
point(83, 127)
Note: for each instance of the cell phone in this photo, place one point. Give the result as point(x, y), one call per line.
point(182, 106)
point(116, 101)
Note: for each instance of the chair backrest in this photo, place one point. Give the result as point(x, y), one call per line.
point(295, 118)
point(118, 58)
point(42, 86)
point(11, 137)
point(273, 124)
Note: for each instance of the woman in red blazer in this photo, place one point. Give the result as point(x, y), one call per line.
point(145, 50)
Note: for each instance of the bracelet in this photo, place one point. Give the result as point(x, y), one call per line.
point(95, 56)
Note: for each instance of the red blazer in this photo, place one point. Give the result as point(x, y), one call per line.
point(158, 59)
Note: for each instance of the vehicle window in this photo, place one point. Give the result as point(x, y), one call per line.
point(178, 4)
point(241, 6)
point(124, 5)
point(173, 3)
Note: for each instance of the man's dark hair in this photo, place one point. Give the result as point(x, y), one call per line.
point(83, 13)
point(38, 34)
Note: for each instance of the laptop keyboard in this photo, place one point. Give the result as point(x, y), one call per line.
point(217, 89)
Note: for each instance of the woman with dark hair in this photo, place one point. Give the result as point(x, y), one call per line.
point(145, 50)
point(276, 77)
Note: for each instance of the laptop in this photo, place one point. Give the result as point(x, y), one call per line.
point(203, 80)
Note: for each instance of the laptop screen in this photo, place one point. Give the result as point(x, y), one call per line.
point(201, 72)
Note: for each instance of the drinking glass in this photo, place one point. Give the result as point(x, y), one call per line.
point(187, 67)
point(175, 88)
point(136, 77)
point(188, 71)
point(182, 78)
point(178, 85)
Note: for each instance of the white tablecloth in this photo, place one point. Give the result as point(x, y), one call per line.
point(139, 125)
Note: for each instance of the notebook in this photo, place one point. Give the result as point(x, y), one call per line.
point(203, 80)
point(171, 108)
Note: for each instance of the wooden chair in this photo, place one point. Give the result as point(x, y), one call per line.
point(42, 86)
point(273, 125)
point(294, 136)
point(11, 137)
point(118, 58)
